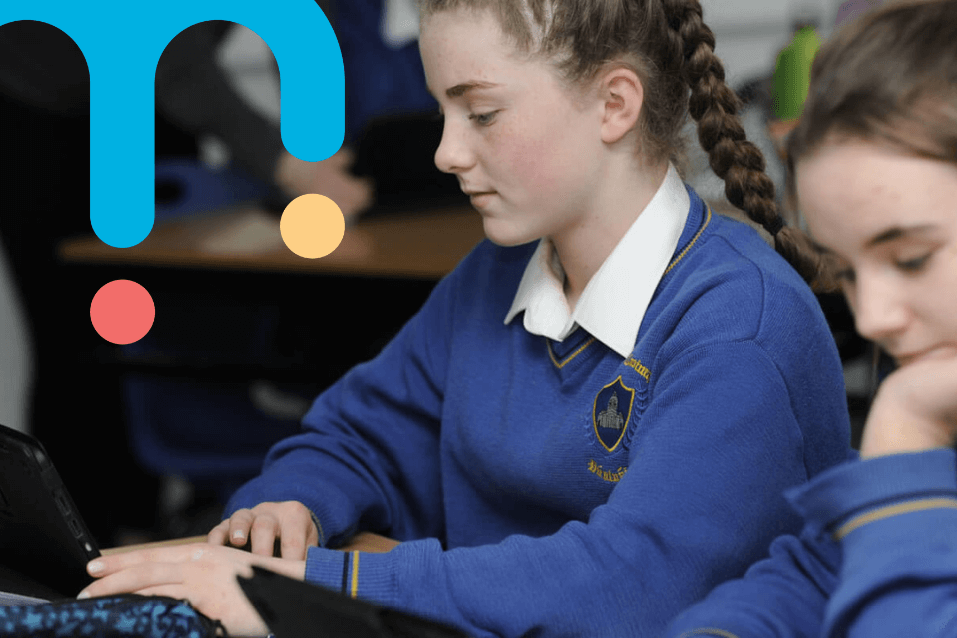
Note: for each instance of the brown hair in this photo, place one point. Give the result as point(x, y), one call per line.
point(889, 77)
point(671, 49)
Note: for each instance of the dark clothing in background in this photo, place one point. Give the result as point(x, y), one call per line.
point(42, 68)
point(193, 93)
point(390, 115)
point(381, 81)
point(75, 407)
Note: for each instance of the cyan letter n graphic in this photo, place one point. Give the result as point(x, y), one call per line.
point(122, 42)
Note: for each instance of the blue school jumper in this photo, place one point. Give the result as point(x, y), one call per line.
point(877, 558)
point(550, 488)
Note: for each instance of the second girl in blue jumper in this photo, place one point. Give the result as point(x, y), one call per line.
point(875, 161)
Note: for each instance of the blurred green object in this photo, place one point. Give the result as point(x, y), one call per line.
point(792, 74)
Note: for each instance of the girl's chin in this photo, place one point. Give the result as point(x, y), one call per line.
point(505, 234)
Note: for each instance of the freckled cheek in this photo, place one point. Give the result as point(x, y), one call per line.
point(531, 162)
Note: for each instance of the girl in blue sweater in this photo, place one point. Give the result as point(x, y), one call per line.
point(876, 169)
point(591, 421)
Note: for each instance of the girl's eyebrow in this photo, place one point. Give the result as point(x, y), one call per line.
point(461, 89)
point(883, 237)
point(898, 232)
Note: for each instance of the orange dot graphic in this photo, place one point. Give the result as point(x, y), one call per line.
point(312, 226)
point(122, 312)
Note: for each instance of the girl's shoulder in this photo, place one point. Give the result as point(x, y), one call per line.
point(729, 249)
point(731, 278)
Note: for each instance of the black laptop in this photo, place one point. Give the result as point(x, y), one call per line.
point(44, 543)
point(295, 609)
point(45, 546)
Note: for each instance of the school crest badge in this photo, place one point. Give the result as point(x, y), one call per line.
point(612, 412)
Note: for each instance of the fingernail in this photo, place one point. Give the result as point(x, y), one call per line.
point(82, 595)
point(239, 535)
point(95, 567)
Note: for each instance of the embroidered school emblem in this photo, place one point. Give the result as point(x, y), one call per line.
point(612, 412)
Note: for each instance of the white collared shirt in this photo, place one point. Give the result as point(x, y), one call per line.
point(616, 298)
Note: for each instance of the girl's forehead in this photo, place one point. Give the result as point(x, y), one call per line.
point(460, 26)
point(476, 31)
point(853, 173)
point(859, 190)
point(461, 46)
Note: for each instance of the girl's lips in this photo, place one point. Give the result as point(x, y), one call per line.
point(904, 359)
point(930, 353)
point(480, 199)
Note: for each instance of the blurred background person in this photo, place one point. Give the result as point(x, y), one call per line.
point(72, 406)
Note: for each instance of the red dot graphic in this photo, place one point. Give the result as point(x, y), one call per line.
point(122, 312)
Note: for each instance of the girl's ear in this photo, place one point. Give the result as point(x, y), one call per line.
point(622, 96)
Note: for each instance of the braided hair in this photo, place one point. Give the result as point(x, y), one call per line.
point(670, 48)
point(738, 162)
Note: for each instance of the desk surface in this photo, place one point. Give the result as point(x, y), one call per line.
point(420, 246)
point(361, 542)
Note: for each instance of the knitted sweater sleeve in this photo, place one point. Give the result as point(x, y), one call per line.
point(877, 558)
point(367, 457)
point(895, 518)
point(782, 596)
point(659, 543)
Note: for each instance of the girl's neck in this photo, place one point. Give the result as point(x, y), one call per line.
point(583, 247)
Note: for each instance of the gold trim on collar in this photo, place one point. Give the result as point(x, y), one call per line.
point(707, 220)
point(562, 364)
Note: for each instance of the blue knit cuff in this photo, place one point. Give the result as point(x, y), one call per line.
point(318, 524)
point(852, 489)
point(370, 576)
point(325, 566)
point(909, 545)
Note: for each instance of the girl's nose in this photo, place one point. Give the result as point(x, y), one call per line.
point(880, 310)
point(452, 155)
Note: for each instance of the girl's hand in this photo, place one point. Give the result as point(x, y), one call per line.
point(330, 177)
point(289, 522)
point(915, 408)
point(203, 574)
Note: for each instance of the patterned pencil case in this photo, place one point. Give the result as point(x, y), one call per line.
point(124, 616)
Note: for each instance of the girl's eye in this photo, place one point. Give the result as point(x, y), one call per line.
point(839, 269)
point(845, 276)
point(913, 265)
point(483, 119)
